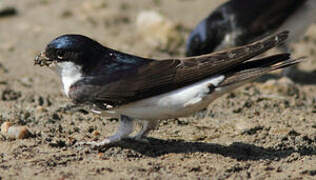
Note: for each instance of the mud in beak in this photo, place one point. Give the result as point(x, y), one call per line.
point(42, 60)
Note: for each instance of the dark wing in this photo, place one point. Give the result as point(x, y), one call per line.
point(255, 68)
point(153, 77)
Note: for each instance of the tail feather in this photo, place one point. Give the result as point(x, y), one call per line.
point(253, 69)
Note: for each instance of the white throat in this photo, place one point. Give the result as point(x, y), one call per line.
point(69, 74)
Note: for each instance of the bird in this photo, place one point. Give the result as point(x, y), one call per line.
point(143, 90)
point(239, 22)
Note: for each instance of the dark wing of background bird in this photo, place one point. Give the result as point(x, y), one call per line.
point(151, 77)
point(260, 17)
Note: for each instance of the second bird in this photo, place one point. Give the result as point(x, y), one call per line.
point(238, 22)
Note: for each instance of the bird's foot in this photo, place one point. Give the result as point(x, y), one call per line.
point(125, 128)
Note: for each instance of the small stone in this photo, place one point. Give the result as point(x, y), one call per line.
point(66, 14)
point(26, 81)
point(91, 6)
point(18, 132)
point(7, 11)
point(5, 126)
point(41, 109)
point(100, 155)
point(293, 133)
point(15, 132)
point(96, 133)
point(10, 95)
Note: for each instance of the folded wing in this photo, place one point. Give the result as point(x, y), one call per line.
point(157, 77)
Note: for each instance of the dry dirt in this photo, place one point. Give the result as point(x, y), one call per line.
point(264, 130)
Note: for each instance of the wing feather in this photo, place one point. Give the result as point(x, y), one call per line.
point(157, 77)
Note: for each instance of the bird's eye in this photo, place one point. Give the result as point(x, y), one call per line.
point(60, 54)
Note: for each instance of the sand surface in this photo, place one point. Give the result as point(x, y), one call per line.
point(264, 130)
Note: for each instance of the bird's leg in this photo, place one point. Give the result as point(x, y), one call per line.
point(125, 128)
point(147, 126)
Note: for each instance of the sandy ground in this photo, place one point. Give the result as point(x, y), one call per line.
point(264, 130)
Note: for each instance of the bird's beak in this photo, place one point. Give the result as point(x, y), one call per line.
point(42, 60)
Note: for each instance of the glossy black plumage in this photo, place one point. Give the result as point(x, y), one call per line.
point(117, 78)
point(91, 55)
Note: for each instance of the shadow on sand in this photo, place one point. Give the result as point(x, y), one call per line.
point(297, 76)
point(237, 150)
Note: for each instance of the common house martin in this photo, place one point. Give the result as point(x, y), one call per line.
point(147, 90)
point(238, 22)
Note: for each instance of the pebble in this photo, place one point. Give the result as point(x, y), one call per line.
point(5, 126)
point(26, 81)
point(15, 132)
point(7, 11)
point(41, 109)
point(96, 133)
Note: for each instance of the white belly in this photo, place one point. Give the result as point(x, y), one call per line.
point(177, 103)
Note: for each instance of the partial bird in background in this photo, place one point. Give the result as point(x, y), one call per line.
point(238, 22)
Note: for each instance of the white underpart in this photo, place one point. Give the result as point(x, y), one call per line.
point(178, 103)
point(69, 74)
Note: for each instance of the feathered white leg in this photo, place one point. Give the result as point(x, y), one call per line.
point(147, 126)
point(125, 128)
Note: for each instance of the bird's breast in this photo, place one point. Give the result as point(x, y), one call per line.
point(69, 73)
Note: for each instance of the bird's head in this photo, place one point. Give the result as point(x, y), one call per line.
point(70, 49)
point(71, 57)
point(206, 37)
